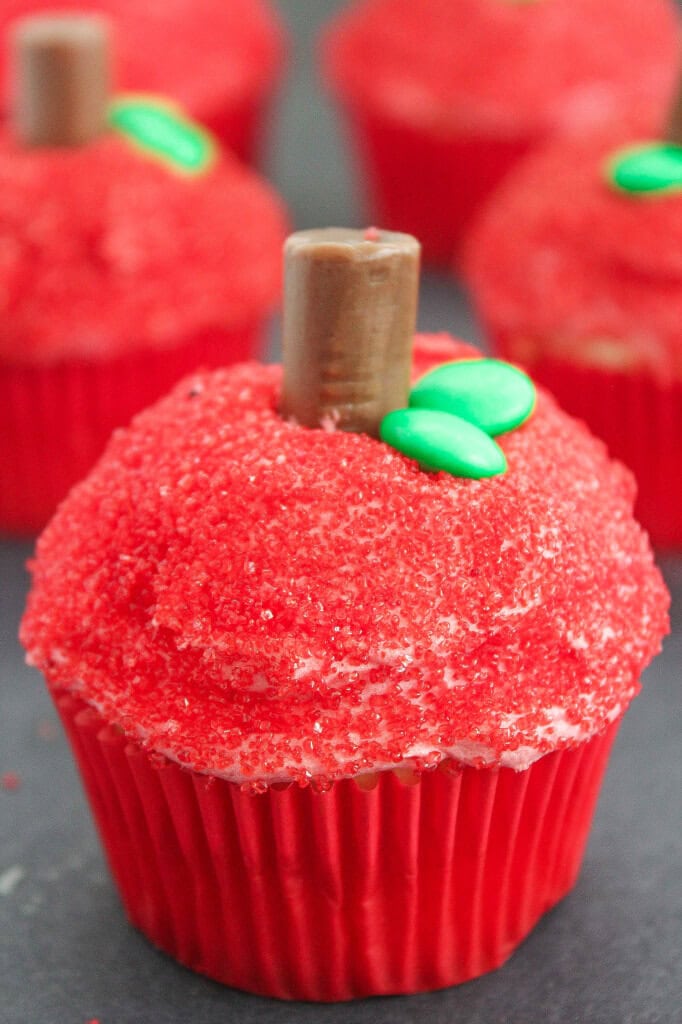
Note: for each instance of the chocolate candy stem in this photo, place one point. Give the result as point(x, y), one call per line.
point(61, 72)
point(350, 307)
point(673, 132)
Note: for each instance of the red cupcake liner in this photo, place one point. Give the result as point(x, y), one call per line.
point(429, 183)
point(335, 895)
point(639, 418)
point(56, 420)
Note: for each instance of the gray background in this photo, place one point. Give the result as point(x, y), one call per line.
point(610, 954)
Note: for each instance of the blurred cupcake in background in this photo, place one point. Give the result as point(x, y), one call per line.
point(131, 251)
point(576, 269)
point(443, 98)
point(219, 58)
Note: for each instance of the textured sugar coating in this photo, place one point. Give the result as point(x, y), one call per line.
point(103, 250)
point(265, 601)
point(157, 42)
point(564, 264)
point(512, 66)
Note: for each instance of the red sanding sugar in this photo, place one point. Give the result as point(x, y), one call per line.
point(508, 66)
point(47, 730)
point(10, 781)
point(265, 601)
point(103, 250)
point(566, 265)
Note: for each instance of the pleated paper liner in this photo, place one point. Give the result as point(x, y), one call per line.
point(428, 181)
point(56, 420)
point(327, 896)
point(639, 418)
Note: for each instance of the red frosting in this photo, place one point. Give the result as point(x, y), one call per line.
point(266, 601)
point(205, 54)
point(103, 250)
point(562, 263)
point(507, 65)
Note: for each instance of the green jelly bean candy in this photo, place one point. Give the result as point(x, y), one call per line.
point(161, 131)
point(439, 441)
point(651, 170)
point(486, 392)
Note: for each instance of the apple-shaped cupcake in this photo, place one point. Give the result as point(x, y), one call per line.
point(131, 251)
point(576, 270)
point(444, 97)
point(220, 59)
point(341, 663)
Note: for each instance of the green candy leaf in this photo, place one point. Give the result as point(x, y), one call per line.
point(486, 392)
point(652, 169)
point(159, 129)
point(439, 441)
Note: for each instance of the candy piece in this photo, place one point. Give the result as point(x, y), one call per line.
point(350, 306)
point(674, 126)
point(159, 129)
point(493, 395)
point(62, 72)
point(652, 169)
point(441, 441)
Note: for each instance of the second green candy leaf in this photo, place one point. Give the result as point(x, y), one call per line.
point(486, 392)
point(440, 441)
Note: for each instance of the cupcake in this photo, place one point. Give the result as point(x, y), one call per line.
point(443, 98)
point(342, 719)
point(575, 269)
point(227, 89)
point(127, 260)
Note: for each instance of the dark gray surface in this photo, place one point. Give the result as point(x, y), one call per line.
point(610, 954)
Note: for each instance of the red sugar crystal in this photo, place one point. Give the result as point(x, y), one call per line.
point(269, 601)
point(47, 730)
point(10, 781)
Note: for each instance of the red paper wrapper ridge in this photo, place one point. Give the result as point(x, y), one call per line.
point(55, 420)
point(429, 182)
point(639, 418)
point(331, 896)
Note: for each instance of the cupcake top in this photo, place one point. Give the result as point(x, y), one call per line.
point(507, 66)
point(157, 42)
point(568, 264)
point(103, 249)
point(266, 601)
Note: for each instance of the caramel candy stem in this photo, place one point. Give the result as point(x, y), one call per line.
point(350, 308)
point(673, 132)
point(61, 79)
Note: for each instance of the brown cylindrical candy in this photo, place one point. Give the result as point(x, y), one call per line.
point(61, 79)
point(350, 308)
point(673, 133)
